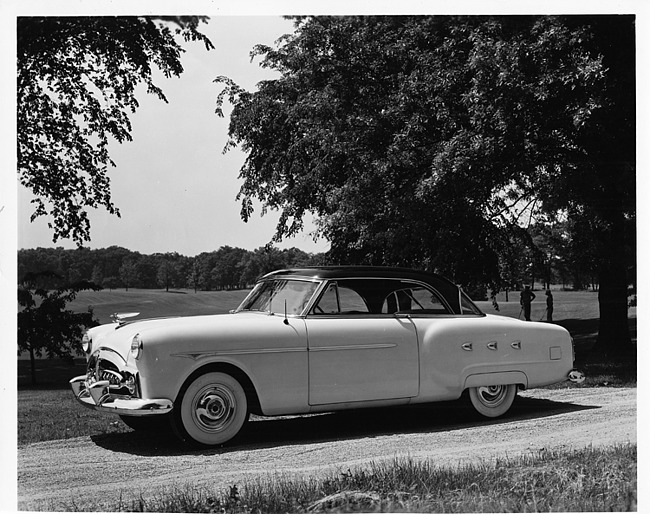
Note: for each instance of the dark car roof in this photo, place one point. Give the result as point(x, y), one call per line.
point(443, 285)
point(332, 272)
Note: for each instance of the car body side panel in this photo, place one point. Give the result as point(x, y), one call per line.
point(361, 358)
point(456, 353)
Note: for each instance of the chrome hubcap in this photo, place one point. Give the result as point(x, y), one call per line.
point(213, 408)
point(492, 396)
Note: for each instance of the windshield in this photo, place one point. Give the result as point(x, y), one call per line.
point(272, 295)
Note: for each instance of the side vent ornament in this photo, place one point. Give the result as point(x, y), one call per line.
point(492, 345)
point(467, 347)
point(516, 345)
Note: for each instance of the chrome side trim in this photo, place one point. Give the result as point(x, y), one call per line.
point(492, 345)
point(252, 351)
point(379, 346)
point(467, 347)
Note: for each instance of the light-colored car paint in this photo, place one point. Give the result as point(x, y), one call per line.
point(308, 362)
point(315, 361)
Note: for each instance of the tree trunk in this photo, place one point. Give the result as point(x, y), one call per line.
point(613, 330)
point(32, 361)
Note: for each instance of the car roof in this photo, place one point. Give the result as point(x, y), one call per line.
point(342, 272)
point(332, 272)
point(444, 286)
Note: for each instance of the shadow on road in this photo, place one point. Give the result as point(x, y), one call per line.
point(263, 433)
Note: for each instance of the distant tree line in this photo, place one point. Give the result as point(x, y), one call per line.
point(116, 267)
point(543, 253)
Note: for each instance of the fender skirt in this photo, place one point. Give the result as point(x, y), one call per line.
point(496, 378)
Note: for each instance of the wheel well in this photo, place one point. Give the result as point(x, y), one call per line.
point(465, 393)
point(496, 378)
point(235, 372)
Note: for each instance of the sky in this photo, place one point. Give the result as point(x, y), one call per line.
point(175, 188)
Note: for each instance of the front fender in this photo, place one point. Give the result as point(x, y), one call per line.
point(271, 353)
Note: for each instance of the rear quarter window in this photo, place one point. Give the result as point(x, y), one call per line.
point(415, 299)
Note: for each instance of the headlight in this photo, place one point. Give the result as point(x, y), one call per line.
point(136, 346)
point(86, 343)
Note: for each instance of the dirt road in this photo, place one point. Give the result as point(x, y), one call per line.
point(87, 471)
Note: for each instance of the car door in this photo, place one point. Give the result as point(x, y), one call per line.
point(355, 355)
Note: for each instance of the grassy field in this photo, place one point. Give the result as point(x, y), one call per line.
point(569, 305)
point(583, 480)
point(48, 411)
point(580, 480)
point(153, 303)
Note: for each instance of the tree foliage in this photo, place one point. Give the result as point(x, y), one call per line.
point(423, 141)
point(45, 326)
point(77, 80)
point(225, 268)
point(383, 123)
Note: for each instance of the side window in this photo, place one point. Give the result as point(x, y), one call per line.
point(427, 301)
point(468, 306)
point(351, 301)
point(413, 299)
point(339, 299)
point(329, 302)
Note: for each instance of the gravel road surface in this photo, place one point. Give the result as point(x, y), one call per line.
point(94, 472)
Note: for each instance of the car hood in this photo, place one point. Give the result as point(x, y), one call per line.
point(118, 337)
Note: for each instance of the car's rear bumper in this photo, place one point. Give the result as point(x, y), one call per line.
point(577, 377)
point(98, 396)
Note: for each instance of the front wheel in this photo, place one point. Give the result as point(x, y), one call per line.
point(493, 401)
point(212, 410)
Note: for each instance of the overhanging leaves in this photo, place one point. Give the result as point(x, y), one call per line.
point(76, 90)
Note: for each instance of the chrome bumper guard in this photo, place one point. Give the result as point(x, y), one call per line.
point(577, 377)
point(99, 397)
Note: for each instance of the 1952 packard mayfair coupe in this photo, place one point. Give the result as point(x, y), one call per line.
point(313, 340)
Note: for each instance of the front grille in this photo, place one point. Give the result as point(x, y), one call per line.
point(120, 382)
point(113, 377)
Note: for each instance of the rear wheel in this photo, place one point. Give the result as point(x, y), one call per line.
point(493, 401)
point(211, 410)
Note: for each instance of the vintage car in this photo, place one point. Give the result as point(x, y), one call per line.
point(313, 340)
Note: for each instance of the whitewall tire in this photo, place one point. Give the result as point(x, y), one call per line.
point(212, 409)
point(493, 401)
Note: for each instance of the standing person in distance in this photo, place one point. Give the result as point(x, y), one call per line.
point(549, 305)
point(526, 298)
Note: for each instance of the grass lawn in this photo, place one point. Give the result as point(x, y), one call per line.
point(47, 410)
point(153, 303)
point(580, 480)
point(567, 480)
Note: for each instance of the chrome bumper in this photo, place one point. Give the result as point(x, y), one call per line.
point(577, 377)
point(99, 397)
